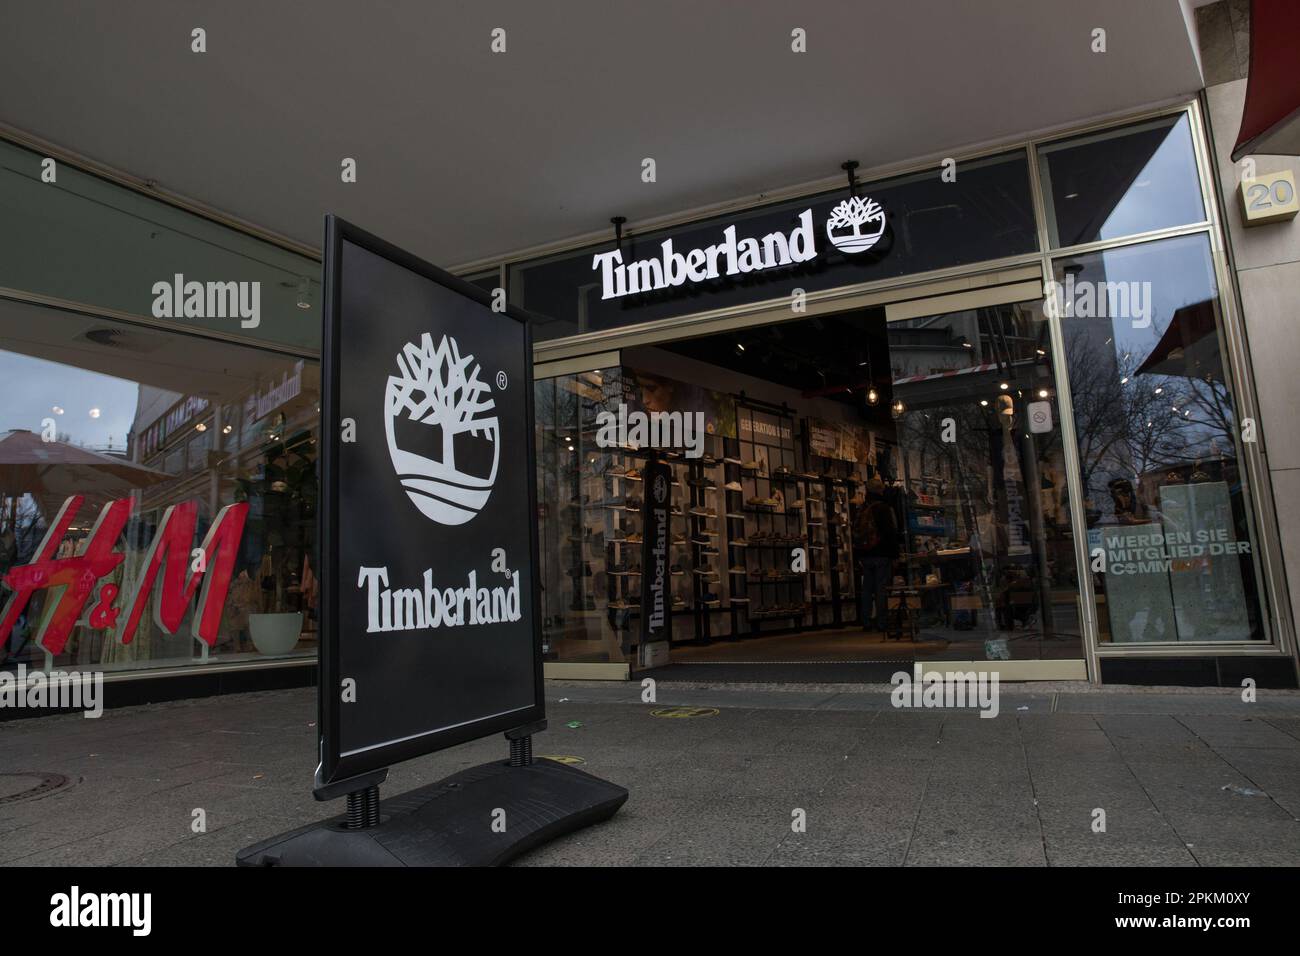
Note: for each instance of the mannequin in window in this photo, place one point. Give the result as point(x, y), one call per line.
point(875, 545)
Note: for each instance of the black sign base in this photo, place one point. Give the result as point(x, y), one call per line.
point(454, 822)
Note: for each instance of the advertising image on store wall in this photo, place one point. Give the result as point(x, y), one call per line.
point(429, 534)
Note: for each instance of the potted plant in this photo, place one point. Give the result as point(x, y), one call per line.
point(282, 517)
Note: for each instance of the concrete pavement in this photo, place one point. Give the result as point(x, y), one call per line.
point(1184, 778)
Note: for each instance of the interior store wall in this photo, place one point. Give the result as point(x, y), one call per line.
point(673, 365)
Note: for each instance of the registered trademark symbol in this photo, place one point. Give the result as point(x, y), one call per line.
point(501, 381)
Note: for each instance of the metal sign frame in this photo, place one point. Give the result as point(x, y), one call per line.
point(336, 767)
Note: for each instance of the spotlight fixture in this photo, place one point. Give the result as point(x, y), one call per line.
point(1004, 385)
point(984, 402)
point(1042, 393)
point(227, 429)
point(200, 427)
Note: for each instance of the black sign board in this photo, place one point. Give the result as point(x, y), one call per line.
point(429, 633)
point(656, 578)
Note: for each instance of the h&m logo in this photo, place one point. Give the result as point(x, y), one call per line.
point(75, 577)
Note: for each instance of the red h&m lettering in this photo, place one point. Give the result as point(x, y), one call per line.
point(77, 576)
point(170, 552)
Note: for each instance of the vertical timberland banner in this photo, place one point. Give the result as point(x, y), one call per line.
point(656, 597)
point(429, 533)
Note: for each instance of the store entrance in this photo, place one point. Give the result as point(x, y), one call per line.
point(864, 490)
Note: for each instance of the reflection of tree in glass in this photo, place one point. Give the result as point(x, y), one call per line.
point(1126, 424)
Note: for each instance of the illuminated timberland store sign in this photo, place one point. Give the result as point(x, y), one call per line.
point(852, 227)
point(81, 598)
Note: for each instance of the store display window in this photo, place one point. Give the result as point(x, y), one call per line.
point(1167, 499)
point(158, 496)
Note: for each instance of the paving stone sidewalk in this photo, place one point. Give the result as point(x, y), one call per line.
point(1184, 778)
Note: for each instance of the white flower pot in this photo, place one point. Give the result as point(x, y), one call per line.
point(275, 633)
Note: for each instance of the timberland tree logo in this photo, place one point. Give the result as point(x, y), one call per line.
point(855, 225)
point(447, 469)
point(660, 489)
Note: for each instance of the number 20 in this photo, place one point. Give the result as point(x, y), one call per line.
point(1279, 192)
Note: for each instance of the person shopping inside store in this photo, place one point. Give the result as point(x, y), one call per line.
point(875, 547)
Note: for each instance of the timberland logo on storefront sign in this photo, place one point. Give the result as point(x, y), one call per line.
point(440, 388)
point(428, 606)
point(856, 224)
point(853, 226)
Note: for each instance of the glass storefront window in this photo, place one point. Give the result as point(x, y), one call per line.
point(155, 489)
point(88, 240)
point(988, 550)
point(1120, 182)
point(816, 522)
point(1174, 552)
point(580, 539)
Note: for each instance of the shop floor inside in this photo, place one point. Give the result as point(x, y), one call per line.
point(849, 655)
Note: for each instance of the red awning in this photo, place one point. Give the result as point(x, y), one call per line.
point(1271, 121)
point(1190, 346)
